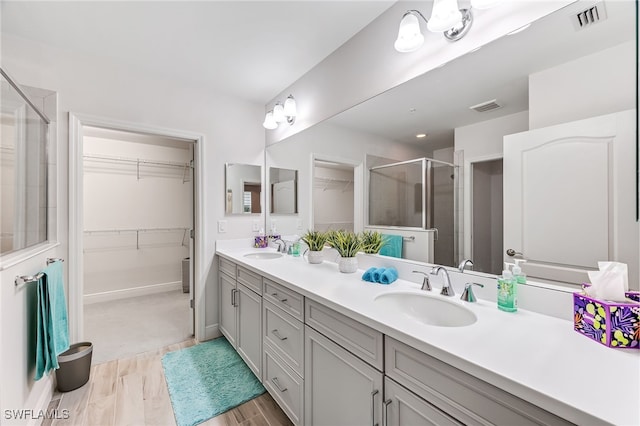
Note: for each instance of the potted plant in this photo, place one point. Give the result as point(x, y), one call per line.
point(315, 240)
point(347, 244)
point(372, 242)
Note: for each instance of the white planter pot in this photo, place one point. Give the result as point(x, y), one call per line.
point(348, 264)
point(314, 257)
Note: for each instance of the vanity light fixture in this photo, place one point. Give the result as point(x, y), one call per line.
point(281, 113)
point(446, 18)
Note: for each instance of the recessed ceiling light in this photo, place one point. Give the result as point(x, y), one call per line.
point(421, 135)
point(412, 110)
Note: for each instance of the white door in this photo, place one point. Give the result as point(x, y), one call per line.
point(569, 197)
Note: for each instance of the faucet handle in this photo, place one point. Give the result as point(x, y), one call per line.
point(467, 294)
point(426, 285)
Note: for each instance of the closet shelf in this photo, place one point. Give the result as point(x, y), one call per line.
point(138, 231)
point(332, 183)
point(138, 162)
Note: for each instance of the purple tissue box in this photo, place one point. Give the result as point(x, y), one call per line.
point(614, 324)
point(261, 241)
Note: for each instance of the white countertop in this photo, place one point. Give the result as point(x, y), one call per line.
point(538, 358)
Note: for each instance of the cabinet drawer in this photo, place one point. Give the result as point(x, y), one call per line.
point(250, 279)
point(284, 334)
point(285, 386)
point(359, 339)
point(466, 398)
point(286, 299)
point(228, 267)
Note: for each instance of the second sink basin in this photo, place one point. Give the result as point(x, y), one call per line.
point(426, 308)
point(263, 255)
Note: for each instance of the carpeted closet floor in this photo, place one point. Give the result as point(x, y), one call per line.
point(127, 327)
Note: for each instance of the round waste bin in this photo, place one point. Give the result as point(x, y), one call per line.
point(75, 366)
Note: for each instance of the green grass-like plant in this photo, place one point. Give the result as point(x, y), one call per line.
point(372, 241)
point(347, 244)
point(315, 240)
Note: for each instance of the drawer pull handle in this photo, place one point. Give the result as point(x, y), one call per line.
point(275, 382)
point(385, 414)
point(276, 296)
point(277, 334)
point(373, 407)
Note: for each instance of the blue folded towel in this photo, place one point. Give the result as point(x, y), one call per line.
point(388, 276)
point(368, 274)
point(52, 334)
point(377, 274)
point(392, 246)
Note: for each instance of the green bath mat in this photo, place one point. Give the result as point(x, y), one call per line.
point(206, 380)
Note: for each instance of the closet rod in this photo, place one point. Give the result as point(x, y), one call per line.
point(116, 231)
point(137, 161)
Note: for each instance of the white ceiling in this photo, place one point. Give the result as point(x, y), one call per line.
point(249, 49)
point(442, 97)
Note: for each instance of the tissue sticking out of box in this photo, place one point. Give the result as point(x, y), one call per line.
point(610, 282)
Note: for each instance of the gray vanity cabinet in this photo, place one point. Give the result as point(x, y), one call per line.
point(283, 342)
point(340, 388)
point(461, 396)
point(227, 295)
point(241, 312)
point(403, 408)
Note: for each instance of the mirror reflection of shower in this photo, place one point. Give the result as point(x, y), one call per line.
point(416, 199)
point(333, 196)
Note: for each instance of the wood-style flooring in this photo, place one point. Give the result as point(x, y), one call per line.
point(133, 391)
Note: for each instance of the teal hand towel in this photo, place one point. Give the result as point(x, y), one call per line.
point(392, 246)
point(52, 334)
point(376, 274)
point(368, 274)
point(388, 276)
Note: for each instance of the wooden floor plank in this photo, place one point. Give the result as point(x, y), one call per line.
point(130, 400)
point(133, 391)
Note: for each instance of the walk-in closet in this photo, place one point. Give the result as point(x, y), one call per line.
point(138, 216)
point(332, 196)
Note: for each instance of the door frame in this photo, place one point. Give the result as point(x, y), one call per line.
point(77, 122)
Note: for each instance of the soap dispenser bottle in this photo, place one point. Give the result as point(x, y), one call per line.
point(519, 276)
point(507, 291)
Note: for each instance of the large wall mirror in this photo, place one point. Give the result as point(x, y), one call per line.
point(548, 80)
point(243, 189)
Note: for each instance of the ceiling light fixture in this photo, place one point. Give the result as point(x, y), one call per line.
point(281, 113)
point(446, 18)
point(421, 135)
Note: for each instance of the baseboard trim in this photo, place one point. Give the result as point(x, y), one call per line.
point(131, 292)
point(212, 332)
point(43, 401)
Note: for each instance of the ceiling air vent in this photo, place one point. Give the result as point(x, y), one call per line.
point(590, 16)
point(486, 106)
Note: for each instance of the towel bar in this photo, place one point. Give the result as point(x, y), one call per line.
point(24, 279)
point(411, 238)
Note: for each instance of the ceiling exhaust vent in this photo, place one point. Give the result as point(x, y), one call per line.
point(590, 16)
point(486, 106)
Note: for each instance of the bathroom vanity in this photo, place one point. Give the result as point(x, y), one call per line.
point(329, 352)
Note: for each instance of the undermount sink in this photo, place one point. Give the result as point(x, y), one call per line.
point(264, 256)
point(427, 308)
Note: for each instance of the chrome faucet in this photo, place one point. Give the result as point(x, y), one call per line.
point(467, 294)
point(464, 264)
point(447, 288)
point(281, 248)
point(426, 285)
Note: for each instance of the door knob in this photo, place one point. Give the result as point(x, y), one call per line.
point(512, 252)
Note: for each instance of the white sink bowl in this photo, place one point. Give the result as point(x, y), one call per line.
point(264, 255)
point(427, 308)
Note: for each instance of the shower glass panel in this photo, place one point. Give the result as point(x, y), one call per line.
point(417, 194)
point(396, 195)
point(23, 156)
